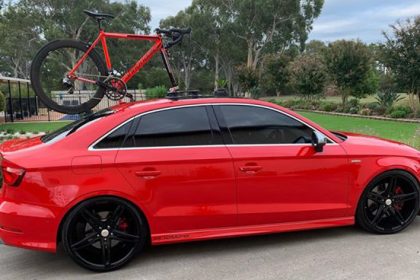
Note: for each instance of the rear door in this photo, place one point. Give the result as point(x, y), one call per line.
point(182, 173)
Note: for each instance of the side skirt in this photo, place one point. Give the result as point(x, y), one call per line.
point(186, 236)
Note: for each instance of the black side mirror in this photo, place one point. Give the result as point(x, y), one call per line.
point(318, 141)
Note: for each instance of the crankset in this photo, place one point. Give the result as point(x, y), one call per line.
point(115, 88)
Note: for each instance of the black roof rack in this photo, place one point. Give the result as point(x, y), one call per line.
point(192, 94)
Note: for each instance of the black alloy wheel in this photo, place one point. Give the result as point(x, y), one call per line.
point(389, 204)
point(104, 234)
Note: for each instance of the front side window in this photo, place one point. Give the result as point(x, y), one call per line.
point(257, 125)
point(188, 126)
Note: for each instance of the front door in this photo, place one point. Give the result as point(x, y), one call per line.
point(280, 177)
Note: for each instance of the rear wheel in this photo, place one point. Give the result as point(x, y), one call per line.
point(56, 89)
point(389, 204)
point(103, 234)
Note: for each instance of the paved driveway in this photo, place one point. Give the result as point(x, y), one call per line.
point(341, 253)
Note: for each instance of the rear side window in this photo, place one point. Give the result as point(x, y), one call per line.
point(256, 125)
point(116, 138)
point(188, 126)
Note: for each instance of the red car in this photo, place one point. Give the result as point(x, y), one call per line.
point(171, 171)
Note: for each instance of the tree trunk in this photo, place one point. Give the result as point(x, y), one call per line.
point(250, 54)
point(216, 72)
point(344, 97)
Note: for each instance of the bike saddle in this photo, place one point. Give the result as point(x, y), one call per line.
point(98, 15)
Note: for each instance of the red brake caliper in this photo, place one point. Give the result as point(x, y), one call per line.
point(398, 205)
point(123, 225)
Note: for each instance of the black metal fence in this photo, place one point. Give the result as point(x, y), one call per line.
point(23, 105)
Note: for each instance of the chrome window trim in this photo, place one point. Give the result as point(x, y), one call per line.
point(206, 146)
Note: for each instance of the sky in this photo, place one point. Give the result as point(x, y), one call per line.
point(339, 19)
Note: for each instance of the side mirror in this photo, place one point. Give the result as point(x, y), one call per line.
point(318, 141)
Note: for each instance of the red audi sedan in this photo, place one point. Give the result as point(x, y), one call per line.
point(169, 171)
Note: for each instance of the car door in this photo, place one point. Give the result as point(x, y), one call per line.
point(180, 169)
point(280, 177)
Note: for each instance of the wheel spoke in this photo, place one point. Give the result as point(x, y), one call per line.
point(397, 215)
point(106, 252)
point(378, 215)
point(85, 242)
point(375, 197)
point(405, 197)
point(116, 215)
point(125, 237)
point(91, 218)
point(391, 186)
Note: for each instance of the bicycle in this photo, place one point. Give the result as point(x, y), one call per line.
point(70, 67)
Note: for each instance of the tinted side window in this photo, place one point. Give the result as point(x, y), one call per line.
point(256, 125)
point(175, 127)
point(115, 139)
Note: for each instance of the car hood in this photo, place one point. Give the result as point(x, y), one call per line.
point(20, 144)
point(372, 145)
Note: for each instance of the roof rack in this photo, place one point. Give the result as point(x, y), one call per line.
point(192, 94)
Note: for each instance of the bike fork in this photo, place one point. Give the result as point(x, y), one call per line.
point(174, 84)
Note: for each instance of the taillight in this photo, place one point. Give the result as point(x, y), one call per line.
point(12, 174)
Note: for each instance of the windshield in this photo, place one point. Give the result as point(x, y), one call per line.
point(74, 126)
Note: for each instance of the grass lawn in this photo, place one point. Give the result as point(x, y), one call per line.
point(32, 126)
point(408, 133)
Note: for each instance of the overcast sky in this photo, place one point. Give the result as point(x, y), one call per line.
point(340, 19)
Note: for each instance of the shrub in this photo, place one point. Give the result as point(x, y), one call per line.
point(405, 109)
point(328, 106)
point(10, 131)
point(354, 110)
point(387, 99)
point(354, 103)
point(365, 112)
point(373, 106)
point(156, 92)
point(2, 102)
point(398, 114)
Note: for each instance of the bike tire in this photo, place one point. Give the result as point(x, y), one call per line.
point(37, 85)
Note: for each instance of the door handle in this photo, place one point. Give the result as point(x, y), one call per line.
point(250, 168)
point(148, 174)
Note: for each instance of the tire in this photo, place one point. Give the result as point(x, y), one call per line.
point(389, 204)
point(104, 234)
point(36, 82)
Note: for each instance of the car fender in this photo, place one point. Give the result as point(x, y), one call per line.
point(382, 165)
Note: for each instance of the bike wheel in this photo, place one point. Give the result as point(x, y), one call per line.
point(50, 81)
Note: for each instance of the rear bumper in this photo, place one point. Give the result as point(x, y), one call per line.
point(27, 226)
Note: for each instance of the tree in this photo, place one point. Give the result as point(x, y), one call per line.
point(315, 47)
point(308, 76)
point(350, 66)
point(275, 77)
point(401, 55)
point(265, 24)
point(21, 40)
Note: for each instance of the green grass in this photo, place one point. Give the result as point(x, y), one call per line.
point(32, 126)
point(408, 133)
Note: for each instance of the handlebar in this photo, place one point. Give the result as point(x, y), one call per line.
point(176, 35)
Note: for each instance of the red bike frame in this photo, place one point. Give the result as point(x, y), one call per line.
point(157, 47)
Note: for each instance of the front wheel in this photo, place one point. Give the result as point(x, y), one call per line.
point(103, 234)
point(389, 204)
point(56, 89)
